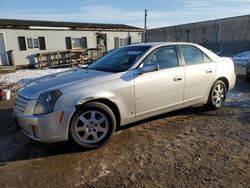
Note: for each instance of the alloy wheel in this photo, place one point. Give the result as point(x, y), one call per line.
point(218, 95)
point(91, 127)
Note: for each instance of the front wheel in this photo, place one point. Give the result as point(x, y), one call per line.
point(217, 95)
point(92, 125)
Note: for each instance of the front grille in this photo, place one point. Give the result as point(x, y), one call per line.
point(21, 103)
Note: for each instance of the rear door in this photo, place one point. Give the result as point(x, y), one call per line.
point(199, 74)
point(160, 90)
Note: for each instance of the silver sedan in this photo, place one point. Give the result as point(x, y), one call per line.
point(126, 85)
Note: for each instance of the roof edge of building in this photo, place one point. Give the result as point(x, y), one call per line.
point(17, 23)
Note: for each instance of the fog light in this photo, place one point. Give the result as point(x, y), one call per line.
point(60, 117)
point(35, 131)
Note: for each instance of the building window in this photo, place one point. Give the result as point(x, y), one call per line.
point(123, 42)
point(76, 43)
point(32, 43)
point(35, 42)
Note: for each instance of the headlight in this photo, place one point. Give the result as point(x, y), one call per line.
point(46, 102)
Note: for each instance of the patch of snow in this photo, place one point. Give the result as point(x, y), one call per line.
point(234, 95)
point(238, 99)
point(27, 75)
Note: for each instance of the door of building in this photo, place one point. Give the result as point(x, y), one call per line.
point(3, 54)
point(102, 42)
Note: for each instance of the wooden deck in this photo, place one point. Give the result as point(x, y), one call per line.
point(67, 58)
point(7, 69)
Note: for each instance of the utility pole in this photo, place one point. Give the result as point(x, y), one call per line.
point(145, 25)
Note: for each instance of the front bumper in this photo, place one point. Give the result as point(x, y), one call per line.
point(45, 128)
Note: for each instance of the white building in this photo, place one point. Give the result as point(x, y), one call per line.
point(27, 38)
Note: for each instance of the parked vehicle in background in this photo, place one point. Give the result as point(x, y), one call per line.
point(126, 85)
point(241, 59)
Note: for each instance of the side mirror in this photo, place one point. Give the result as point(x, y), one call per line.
point(150, 68)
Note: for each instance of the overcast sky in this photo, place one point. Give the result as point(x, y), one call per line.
point(161, 12)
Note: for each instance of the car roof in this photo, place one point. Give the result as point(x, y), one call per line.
point(154, 44)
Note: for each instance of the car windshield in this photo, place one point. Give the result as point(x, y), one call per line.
point(120, 59)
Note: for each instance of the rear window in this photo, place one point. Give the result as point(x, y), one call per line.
point(192, 55)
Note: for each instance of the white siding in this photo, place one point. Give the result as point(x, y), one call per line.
point(55, 41)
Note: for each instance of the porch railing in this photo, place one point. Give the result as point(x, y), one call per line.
point(67, 57)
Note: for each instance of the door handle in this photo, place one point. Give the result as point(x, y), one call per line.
point(177, 78)
point(209, 71)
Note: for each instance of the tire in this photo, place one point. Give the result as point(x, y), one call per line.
point(92, 125)
point(217, 95)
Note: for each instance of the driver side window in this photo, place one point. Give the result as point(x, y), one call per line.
point(165, 57)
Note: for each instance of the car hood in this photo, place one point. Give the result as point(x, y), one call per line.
point(63, 81)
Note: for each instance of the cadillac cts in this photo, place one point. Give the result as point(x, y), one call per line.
point(126, 85)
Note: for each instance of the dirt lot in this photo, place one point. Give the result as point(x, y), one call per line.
point(187, 148)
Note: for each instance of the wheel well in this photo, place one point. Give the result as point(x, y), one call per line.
point(225, 80)
point(111, 105)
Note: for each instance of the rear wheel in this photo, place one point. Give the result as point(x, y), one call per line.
point(92, 125)
point(217, 95)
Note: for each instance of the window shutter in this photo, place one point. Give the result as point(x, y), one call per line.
point(84, 42)
point(116, 42)
point(42, 43)
point(68, 43)
point(22, 43)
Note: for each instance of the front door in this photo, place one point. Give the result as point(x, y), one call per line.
point(3, 54)
point(162, 90)
point(101, 40)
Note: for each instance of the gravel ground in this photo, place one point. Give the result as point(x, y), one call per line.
point(186, 148)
